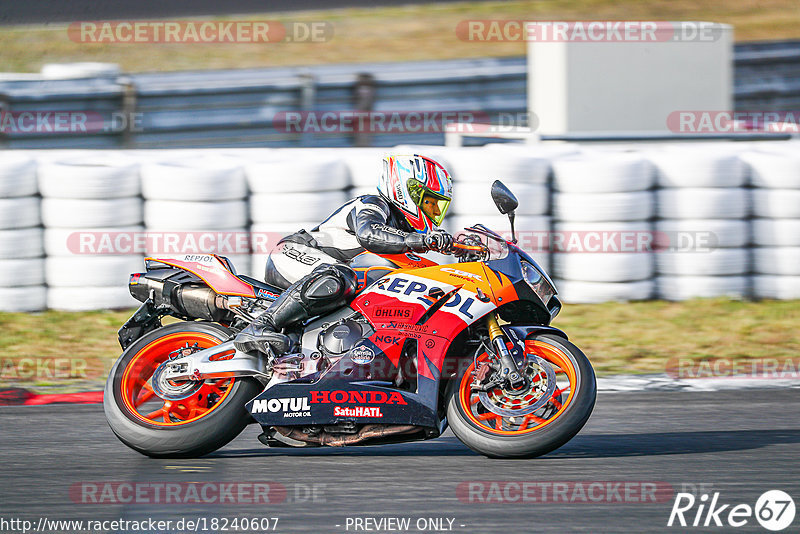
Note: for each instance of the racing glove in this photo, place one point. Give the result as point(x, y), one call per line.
point(439, 241)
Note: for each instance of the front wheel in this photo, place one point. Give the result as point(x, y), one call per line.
point(554, 405)
point(166, 419)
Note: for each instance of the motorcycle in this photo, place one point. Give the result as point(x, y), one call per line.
point(422, 347)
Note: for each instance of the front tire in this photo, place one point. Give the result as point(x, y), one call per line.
point(210, 418)
point(546, 429)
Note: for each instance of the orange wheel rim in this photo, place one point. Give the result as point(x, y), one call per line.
point(488, 421)
point(146, 406)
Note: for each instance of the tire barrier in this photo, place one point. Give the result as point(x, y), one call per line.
point(698, 166)
point(17, 176)
point(575, 203)
point(775, 177)
point(21, 243)
point(598, 196)
point(88, 178)
point(293, 175)
point(22, 286)
point(600, 172)
point(84, 197)
point(703, 206)
point(291, 207)
point(603, 207)
point(185, 215)
point(473, 199)
point(91, 213)
point(182, 181)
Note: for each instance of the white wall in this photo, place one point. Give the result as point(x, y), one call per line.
point(628, 86)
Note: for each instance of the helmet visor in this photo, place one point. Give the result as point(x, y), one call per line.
point(433, 205)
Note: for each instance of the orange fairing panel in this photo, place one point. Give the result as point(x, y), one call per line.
point(212, 271)
point(474, 276)
point(501, 286)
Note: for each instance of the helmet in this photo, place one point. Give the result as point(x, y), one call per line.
point(421, 188)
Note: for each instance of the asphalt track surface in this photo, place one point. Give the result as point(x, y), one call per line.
point(44, 11)
point(739, 443)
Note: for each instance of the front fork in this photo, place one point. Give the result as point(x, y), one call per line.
point(508, 367)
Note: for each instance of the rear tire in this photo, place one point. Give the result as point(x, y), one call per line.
point(537, 440)
point(196, 436)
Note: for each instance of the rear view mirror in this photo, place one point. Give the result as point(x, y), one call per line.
point(506, 202)
point(503, 198)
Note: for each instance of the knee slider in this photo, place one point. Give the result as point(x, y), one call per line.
point(331, 283)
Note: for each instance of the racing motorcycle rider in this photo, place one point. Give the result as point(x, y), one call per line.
point(414, 194)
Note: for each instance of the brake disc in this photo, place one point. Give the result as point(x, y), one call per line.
point(173, 390)
point(170, 389)
point(515, 403)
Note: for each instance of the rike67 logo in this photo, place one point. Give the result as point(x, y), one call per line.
point(774, 510)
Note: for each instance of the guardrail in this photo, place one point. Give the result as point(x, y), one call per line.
point(242, 108)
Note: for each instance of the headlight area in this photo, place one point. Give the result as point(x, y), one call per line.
point(537, 282)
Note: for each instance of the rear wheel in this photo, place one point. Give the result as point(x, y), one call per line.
point(169, 419)
point(554, 405)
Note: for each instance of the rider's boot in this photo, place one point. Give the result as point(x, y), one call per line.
point(325, 289)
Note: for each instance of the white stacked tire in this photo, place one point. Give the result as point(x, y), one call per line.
point(602, 234)
point(22, 286)
point(91, 210)
point(474, 171)
point(475, 199)
point(702, 230)
point(197, 204)
point(354, 192)
point(481, 165)
point(776, 224)
point(194, 194)
point(299, 174)
point(290, 193)
point(364, 166)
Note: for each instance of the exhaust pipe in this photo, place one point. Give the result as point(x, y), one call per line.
point(187, 299)
point(342, 440)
